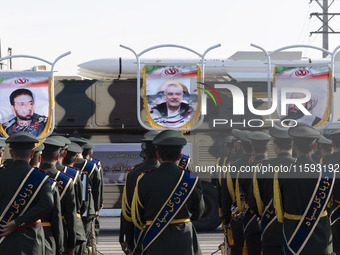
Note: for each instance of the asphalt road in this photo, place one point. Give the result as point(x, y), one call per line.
point(108, 243)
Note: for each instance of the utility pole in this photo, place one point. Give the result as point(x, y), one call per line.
point(325, 29)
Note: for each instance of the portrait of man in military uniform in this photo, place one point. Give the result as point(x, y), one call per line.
point(171, 97)
point(25, 120)
point(173, 111)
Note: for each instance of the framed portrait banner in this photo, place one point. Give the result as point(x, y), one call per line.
point(294, 81)
point(26, 103)
point(171, 97)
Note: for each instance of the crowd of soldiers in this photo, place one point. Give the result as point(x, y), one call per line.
point(50, 196)
point(288, 204)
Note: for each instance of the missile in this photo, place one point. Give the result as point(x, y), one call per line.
point(234, 68)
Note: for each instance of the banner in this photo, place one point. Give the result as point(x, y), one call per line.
point(171, 97)
point(316, 80)
point(25, 103)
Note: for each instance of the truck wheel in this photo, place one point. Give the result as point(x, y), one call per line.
point(210, 219)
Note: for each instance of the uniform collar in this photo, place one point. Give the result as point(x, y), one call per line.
point(20, 163)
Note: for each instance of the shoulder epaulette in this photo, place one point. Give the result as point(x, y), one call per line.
point(147, 171)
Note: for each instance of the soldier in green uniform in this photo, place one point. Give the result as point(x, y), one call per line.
point(231, 213)
point(323, 148)
point(94, 183)
point(124, 224)
point(218, 176)
point(21, 231)
point(49, 157)
point(259, 143)
point(52, 222)
point(165, 200)
point(68, 156)
point(87, 153)
point(261, 196)
point(150, 162)
point(333, 160)
point(306, 226)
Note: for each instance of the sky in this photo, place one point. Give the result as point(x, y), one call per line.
point(95, 29)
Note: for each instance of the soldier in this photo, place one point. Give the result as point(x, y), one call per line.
point(323, 148)
point(150, 162)
point(52, 222)
point(218, 177)
point(21, 231)
point(261, 195)
point(87, 153)
point(259, 143)
point(231, 213)
point(49, 157)
point(68, 156)
point(123, 222)
point(92, 172)
point(165, 201)
point(2, 148)
point(220, 162)
point(300, 197)
point(333, 161)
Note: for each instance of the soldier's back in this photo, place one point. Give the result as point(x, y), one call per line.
point(154, 189)
point(30, 238)
point(296, 195)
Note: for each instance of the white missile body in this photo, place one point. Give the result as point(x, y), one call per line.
point(242, 66)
